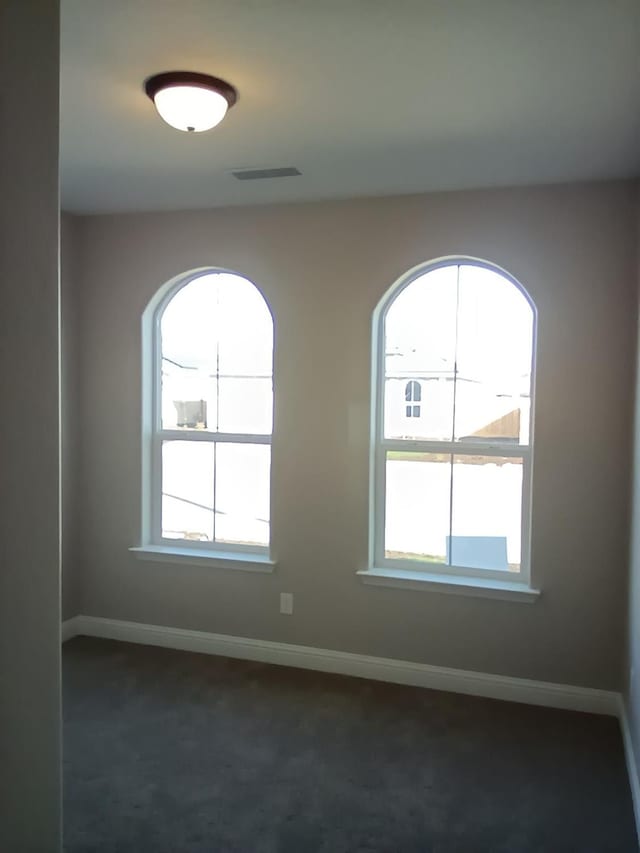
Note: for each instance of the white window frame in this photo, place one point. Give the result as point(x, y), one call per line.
point(383, 569)
point(153, 545)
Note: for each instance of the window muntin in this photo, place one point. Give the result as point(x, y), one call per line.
point(451, 486)
point(213, 414)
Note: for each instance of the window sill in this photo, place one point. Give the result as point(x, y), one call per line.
point(243, 562)
point(428, 582)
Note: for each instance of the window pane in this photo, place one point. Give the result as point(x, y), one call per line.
point(418, 493)
point(246, 335)
point(242, 493)
point(487, 512)
point(217, 328)
point(189, 354)
point(419, 347)
point(187, 490)
point(188, 398)
point(245, 405)
point(494, 345)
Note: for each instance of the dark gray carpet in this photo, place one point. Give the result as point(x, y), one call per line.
point(169, 752)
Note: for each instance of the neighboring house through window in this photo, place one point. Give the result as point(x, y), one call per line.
point(209, 412)
point(412, 394)
point(452, 481)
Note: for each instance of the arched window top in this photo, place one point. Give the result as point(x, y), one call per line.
point(213, 278)
point(216, 340)
point(454, 344)
point(469, 327)
point(475, 266)
point(217, 319)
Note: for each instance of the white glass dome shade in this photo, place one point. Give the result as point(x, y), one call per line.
point(190, 101)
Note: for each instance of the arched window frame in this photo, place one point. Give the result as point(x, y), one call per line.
point(381, 568)
point(153, 546)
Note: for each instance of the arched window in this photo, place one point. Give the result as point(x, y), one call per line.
point(451, 481)
point(209, 364)
point(412, 394)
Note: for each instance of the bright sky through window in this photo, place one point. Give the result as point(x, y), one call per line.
point(487, 318)
point(217, 346)
point(218, 316)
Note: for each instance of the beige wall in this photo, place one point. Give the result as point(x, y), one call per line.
point(323, 267)
point(30, 794)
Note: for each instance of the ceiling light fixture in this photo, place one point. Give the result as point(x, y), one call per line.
point(190, 101)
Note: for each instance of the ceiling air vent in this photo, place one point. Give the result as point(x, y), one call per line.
point(258, 174)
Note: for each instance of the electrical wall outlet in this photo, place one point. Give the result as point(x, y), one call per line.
point(286, 603)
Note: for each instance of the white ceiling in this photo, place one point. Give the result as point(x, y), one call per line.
point(365, 97)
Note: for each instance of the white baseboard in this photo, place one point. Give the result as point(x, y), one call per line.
point(632, 766)
point(69, 628)
point(545, 693)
